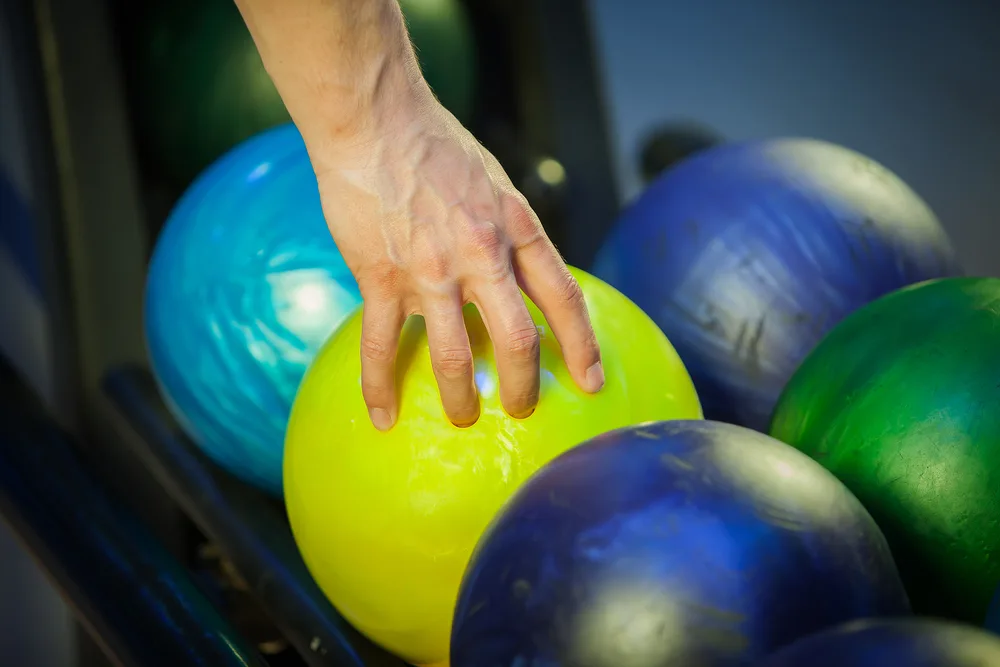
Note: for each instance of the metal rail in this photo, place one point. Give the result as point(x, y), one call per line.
point(249, 528)
point(135, 599)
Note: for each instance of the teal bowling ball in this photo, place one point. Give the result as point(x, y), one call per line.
point(244, 285)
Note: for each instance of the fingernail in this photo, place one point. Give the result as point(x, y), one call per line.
point(380, 418)
point(595, 377)
point(467, 423)
point(524, 415)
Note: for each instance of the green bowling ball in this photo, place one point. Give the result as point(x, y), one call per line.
point(442, 36)
point(202, 89)
point(901, 401)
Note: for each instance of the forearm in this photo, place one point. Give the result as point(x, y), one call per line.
point(352, 59)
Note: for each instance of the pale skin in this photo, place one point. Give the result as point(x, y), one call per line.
point(426, 218)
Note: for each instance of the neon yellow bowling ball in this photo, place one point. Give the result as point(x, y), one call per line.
point(386, 522)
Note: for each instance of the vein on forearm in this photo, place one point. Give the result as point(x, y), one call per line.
point(345, 55)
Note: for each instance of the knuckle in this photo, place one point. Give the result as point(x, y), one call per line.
point(433, 264)
point(486, 242)
point(484, 236)
point(521, 220)
point(568, 290)
point(375, 348)
point(487, 247)
point(378, 280)
point(523, 342)
point(453, 363)
point(429, 257)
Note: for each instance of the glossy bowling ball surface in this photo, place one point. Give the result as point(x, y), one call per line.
point(244, 285)
point(386, 521)
point(911, 642)
point(201, 86)
point(746, 254)
point(901, 401)
point(993, 614)
point(18, 237)
point(671, 543)
point(443, 35)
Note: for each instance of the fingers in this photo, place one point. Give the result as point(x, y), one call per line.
point(546, 280)
point(381, 322)
point(451, 356)
point(515, 343)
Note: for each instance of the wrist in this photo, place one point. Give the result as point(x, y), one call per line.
point(375, 92)
point(345, 120)
point(345, 70)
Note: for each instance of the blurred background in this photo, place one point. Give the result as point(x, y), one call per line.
point(109, 108)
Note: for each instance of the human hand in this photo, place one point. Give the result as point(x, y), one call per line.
point(427, 220)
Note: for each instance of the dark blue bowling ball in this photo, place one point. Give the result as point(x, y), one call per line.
point(747, 254)
point(993, 614)
point(244, 285)
point(684, 542)
point(18, 234)
point(911, 642)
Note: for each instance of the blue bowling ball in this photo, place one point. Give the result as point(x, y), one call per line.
point(18, 234)
point(747, 254)
point(670, 543)
point(244, 285)
point(911, 642)
point(993, 614)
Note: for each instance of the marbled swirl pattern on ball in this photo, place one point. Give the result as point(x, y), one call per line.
point(244, 286)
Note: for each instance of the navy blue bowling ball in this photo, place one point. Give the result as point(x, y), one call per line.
point(747, 254)
point(911, 642)
point(670, 543)
point(18, 235)
point(993, 615)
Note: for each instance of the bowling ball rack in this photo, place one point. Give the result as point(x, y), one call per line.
point(125, 587)
point(136, 600)
point(249, 527)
